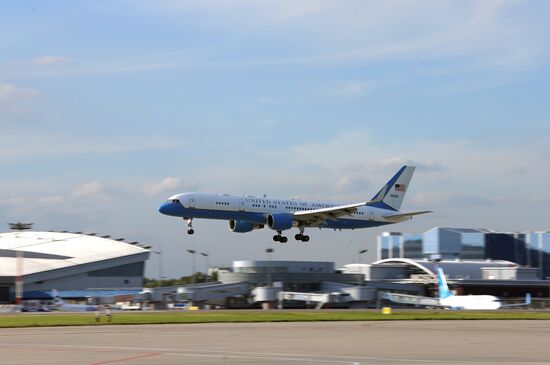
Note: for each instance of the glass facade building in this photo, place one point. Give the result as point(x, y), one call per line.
point(412, 246)
point(399, 245)
point(529, 249)
point(389, 244)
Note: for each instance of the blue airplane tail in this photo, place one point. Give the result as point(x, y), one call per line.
point(392, 194)
point(444, 291)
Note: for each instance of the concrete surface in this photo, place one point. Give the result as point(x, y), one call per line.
point(400, 342)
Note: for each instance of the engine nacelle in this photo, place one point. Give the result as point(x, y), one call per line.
point(280, 221)
point(243, 226)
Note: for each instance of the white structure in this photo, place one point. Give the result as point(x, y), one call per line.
point(68, 261)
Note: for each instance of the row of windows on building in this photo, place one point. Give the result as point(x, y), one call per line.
point(531, 249)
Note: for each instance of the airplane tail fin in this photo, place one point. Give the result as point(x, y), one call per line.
point(391, 195)
point(444, 291)
point(56, 298)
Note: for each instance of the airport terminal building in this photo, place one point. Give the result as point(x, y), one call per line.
point(68, 261)
point(529, 249)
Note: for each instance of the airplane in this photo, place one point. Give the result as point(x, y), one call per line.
point(446, 299)
point(60, 305)
point(247, 213)
point(474, 302)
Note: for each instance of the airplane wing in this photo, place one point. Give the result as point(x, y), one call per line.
point(319, 216)
point(405, 216)
point(411, 299)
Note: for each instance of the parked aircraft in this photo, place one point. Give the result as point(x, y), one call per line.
point(60, 305)
point(247, 213)
point(446, 299)
point(449, 300)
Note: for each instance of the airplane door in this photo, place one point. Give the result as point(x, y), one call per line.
point(241, 205)
point(191, 202)
point(371, 215)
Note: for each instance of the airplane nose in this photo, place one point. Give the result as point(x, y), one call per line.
point(167, 208)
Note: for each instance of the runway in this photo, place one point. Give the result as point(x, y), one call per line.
point(331, 343)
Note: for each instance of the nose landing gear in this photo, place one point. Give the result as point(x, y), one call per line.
point(190, 229)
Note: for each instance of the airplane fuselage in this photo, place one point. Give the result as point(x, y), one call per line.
point(471, 302)
point(257, 209)
point(247, 213)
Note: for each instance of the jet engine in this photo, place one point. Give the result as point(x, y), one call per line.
point(243, 226)
point(280, 221)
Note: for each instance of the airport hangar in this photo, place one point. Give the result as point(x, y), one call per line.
point(68, 261)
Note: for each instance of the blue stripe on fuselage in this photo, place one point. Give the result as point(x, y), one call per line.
point(177, 210)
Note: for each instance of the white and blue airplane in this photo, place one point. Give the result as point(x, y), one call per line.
point(469, 302)
point(247, 213)
point(447, 300)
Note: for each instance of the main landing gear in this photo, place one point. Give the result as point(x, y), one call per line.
point(190, 229)
point(301, 237)
point(279, 238)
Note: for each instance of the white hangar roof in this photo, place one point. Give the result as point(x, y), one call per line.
point(46, 251)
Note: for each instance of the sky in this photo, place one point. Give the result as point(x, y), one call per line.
point(107, 108)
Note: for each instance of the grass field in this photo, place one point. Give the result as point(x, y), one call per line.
point(128, 318)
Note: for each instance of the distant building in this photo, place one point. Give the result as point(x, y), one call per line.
point(296, 275)
point(530, 249)
point(399, 245)
point(68, 261)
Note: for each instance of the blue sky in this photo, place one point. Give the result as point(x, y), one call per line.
point(109, 107)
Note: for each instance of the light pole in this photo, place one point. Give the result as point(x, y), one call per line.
point(193, 252)
point(159, 252)
point(359, 253)
point(205, 255)
point(269, 252)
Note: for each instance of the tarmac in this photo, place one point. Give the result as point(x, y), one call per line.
point(352, 343)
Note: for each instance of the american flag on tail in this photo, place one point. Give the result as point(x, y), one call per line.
point(400, 187)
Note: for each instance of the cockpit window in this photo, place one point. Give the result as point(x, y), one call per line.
point(173, 200)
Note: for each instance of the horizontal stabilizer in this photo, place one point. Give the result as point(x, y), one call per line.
point(405, 216)
point(527, 302)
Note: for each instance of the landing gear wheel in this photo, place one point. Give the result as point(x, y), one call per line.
point(283, 239)
point(299, 237)
point(305, 238)
point(276, 238)
point(190, 229)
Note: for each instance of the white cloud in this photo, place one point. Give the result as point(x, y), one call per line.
point(486, 33)
point(348, 90)
point(50, 60)
point(168, 184)
point(15, 200)
point(352, 184)
point(51, 200)
point(15, 99)
point(448, 198)
point(91, 190)
point(40, 145)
